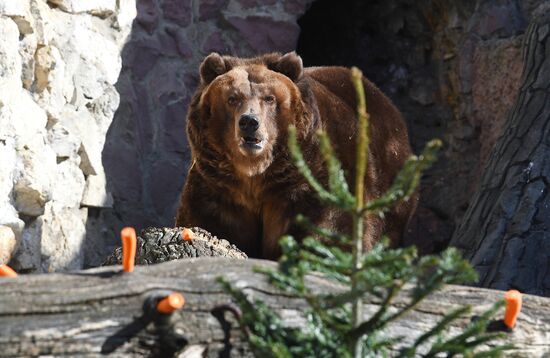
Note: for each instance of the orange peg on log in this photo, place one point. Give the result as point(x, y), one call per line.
point(171, 303)
point(513, 308)
point(187, 234)
point(6, 271)
point(128, 237)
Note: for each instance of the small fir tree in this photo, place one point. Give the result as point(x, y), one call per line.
point(335, 323)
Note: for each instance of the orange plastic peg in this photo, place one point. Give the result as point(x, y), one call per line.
point(187, 234)
point(128, 236)
point(6, 271)
point(171, 303)
point(513, 308)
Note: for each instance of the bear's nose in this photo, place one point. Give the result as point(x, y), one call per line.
point(248, 123)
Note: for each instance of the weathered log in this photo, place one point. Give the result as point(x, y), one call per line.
point(156, 245)
point(101, 311)
point(505, 231)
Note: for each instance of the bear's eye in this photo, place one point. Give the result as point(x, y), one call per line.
point(269, 99)
point(232, 101)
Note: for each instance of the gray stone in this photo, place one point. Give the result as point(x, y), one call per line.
point(82, 125)
point(13, 7)
point(265, 34)
point(8, 159)
point(147, 14)
point(95, 192)
point(27, 48)
point(64, 143)
point(255, 3)
point(10, 63)
point(178, 11)
point(209, 9)
point(215, 43)
point(179, 39)
point(45, 63)
point(297, 7)
point(103, 108)
point(8, 244)
point(67, 186)
point(27, 258)
point(10, 218)
point(126, 14)
point(18, 105)
point(33, 180)
point(97, 7)
point(502, 20)
point(62, 239)
point(53, 242)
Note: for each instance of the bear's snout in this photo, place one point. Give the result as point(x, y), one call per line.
point(252, 139)
point(249, 123)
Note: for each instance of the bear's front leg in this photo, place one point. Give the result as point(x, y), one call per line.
point(276, 218)
point(211, 209)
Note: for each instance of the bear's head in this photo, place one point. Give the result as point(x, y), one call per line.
point(245, 107)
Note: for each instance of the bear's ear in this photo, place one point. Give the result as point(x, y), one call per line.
point(289, 65)
point(212, 66)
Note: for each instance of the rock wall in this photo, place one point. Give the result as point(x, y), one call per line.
point(476, 65)
point(59, 62)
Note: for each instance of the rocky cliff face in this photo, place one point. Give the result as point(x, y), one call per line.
point(59, 62)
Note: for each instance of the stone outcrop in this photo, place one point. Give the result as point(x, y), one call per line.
point(59, 62)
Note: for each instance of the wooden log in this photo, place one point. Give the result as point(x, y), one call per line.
point(101, 311)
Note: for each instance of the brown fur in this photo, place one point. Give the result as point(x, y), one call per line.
point(251, 199)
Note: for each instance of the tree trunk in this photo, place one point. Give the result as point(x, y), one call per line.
point(505, 232)
point(102, 311)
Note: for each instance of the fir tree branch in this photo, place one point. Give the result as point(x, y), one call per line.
point(335, 238)
point(376, 321)
point(442, 324)
point(407, 180)
point(338, 185)
point(304, 169)
point(463, 341)
point(361, 163)
point(362, 148)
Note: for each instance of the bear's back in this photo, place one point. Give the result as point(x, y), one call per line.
point(388, 132)
point(338, 81)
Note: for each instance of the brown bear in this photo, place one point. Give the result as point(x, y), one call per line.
point(242, 184)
